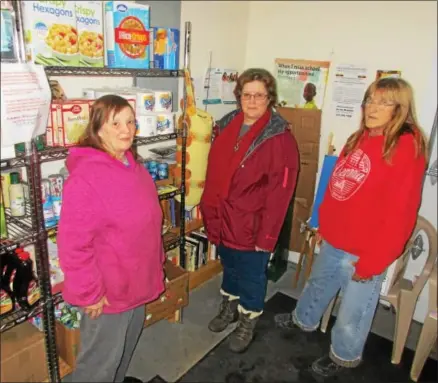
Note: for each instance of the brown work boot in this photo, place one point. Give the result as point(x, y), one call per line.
point(227, 314)
point(243, 335)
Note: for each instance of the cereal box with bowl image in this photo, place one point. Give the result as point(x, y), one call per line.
point(126, 35)
point(89, 21)
point(50, 33)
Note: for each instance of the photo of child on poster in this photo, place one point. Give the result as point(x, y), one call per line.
point(301, 83)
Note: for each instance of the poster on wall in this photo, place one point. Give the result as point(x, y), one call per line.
point(219, 84)
point(387, 73)
point(349, 85)
point(301, 83)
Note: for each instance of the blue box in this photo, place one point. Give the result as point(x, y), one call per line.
point(166, 48)
point(127, 35)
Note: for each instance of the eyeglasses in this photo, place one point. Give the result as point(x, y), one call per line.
point(380, 103)
point(258, 97)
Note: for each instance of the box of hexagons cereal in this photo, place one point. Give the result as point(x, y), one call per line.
point(89, 22)
point(126, 35)
point(50, 33)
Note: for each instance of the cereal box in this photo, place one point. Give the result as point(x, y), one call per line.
point(52, 129)
point(50, 33)
point(89, 21)
point(165, 48)
point(72, 116)
point(126, 35)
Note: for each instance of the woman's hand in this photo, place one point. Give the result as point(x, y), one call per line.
point(94, 311)
point(318, 238)
point(358, 278)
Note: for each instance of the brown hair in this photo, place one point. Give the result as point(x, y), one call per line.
point(100, 113)
point(257, 74)
point(404, 119)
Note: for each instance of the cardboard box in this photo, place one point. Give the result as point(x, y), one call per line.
point(306, 182)
point(23, 356)
point(301, 213)
point(68, 341)
point(175, 297)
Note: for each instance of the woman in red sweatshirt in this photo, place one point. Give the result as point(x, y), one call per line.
point(367, 216)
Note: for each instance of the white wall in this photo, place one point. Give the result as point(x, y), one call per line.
point(219, 27)
point(378, 34)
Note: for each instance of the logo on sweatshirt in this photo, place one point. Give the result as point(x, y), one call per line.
point(349, 175)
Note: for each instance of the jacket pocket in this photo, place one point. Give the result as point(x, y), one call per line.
point(239, 226)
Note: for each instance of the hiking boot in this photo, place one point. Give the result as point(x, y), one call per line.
point(227, 314)
point(243, 335)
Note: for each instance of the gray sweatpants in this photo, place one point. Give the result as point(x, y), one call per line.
point(107, 346)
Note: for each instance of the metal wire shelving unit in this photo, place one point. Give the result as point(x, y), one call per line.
point(30, 229)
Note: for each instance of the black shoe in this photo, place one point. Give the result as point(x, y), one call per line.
point(131, 379)
point(285, 321)
point(326, 367)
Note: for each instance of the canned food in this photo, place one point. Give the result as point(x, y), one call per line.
point(153, 167)
point(163, 171)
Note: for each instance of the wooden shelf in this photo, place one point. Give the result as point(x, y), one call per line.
point(64, 369)
point(194, 224)
point(204, 273)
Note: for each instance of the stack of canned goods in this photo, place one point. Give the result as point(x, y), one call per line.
point(157, 170)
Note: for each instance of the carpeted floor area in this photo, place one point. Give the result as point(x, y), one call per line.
point(280, 356)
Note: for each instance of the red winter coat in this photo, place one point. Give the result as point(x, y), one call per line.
point(260, 191)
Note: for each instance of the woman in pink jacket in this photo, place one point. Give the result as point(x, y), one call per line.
point(109, 241)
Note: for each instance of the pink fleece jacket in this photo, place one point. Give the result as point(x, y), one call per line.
point(109, 237)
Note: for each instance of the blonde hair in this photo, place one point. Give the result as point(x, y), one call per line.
point(403, 121)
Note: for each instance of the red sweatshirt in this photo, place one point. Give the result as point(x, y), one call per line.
point(370, 206)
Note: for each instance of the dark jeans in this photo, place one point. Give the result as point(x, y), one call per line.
point(244, 275)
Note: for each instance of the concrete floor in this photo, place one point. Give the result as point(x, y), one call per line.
point(169, 350)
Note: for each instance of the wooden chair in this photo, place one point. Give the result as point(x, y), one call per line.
point(403, 293)
point(428, 335)
point(307, 252)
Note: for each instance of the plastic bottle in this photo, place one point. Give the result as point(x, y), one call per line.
point(25, 286)
point(3, 227)
point(16, 196)
point(8, 266)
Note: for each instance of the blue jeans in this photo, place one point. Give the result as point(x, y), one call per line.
point(331, 272)
point(244, 276)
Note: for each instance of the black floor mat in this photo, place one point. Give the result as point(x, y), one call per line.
point(279, 356)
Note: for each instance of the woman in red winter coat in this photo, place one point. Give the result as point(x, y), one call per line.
point(251, 176)
point(368, 214)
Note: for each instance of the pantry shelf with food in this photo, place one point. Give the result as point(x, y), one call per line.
point(110, 72)
point(189, 263)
